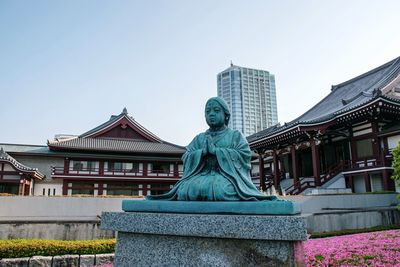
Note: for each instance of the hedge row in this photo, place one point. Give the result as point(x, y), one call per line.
point(18, 248)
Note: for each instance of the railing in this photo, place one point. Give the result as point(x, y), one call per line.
point(268, 180)
point(299, 186)
point(365, 164)
point(111, 172)
point(162, 173)
point(333, 171)
point(74, 171)
point(304, 183)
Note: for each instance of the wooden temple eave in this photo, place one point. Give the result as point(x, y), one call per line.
point(272, 141)
point(293, 135)
point(32, 173)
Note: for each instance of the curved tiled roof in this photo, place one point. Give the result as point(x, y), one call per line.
point(344, 97)
point(117, 145)
point(19, 166)
point(114, 120)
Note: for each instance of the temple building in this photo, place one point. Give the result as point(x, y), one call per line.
point(342, 144)
point(16, 178)
point(118, 157)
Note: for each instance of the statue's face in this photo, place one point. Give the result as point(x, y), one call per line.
point(215, 115)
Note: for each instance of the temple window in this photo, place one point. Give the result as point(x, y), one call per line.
point(78, 165)
point(122, 188)
point(162, 168)
point(82, 188)
point(113, 166)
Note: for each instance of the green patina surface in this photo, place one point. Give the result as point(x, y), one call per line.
point(216, 176)
point(277, 207)
point(216, 163)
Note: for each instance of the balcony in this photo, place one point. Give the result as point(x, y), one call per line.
point(99, 172)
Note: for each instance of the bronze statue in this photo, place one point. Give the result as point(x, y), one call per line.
point(216, 163)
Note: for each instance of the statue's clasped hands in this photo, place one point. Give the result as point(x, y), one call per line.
point(209, 147)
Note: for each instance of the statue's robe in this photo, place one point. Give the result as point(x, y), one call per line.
point(220, 177)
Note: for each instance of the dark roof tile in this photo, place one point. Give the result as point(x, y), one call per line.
point(343, 98)
point(117, 145)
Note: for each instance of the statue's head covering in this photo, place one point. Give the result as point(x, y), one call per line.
point(224, 106)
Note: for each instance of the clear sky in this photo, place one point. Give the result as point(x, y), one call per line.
point(66, 66)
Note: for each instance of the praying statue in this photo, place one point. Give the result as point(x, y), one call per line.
point(216, 165)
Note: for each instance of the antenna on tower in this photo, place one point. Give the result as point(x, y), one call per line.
point(231, 63)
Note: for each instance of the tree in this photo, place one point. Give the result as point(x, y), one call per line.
point(396, 166)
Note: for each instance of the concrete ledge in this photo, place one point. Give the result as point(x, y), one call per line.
point(210, 225)
point(267, 207)
point(53, 230)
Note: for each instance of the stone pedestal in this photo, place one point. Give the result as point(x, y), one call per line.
point(170, 239)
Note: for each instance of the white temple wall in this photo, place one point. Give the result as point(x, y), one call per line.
point(48, 189)
point(42, 163)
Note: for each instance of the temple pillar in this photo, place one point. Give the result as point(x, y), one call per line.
point(144, 191)
point(295, 166)
point(276, 170)
point(100, 188)
point(367, 182)
point(101, 168)
point(375, 140)
point(351, 183)
point(66, 165)
point(21, 186)
point(65, 188)
point(176, 169)
point(261, 170)
point(353, 155)
point(316, 163)
point(145, 168)
point(385, 180)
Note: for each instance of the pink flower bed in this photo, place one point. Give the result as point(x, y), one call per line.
point(376, 249)
point(366, 249)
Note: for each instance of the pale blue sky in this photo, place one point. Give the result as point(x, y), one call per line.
point(66, 66)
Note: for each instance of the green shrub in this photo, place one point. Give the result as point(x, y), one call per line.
point(396, 166)
point(17, 248)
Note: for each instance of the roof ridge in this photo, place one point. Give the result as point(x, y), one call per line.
point(114, 119)
point(385, 80)
point(109, 122)
point(391, 62)
point(144, 129)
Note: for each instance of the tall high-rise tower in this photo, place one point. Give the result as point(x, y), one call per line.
point(251, 96)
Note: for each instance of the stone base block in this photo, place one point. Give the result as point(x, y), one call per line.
point(86, 260)
point(153, 250)
point(66, 260)
point(20, 262)
point(163, 239)
point(40, 261)
point(104, 258)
